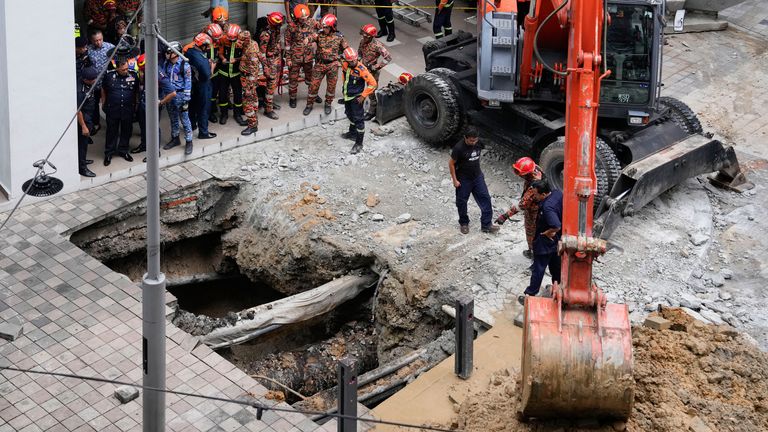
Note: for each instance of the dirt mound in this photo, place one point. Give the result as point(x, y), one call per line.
point(691, 377)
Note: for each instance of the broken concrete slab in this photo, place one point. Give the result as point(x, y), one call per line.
point(695, 315)
point(126, 394)
point(697, 425)
point(10, 330)
point(712, 316)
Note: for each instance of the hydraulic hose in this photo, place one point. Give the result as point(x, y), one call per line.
point(536, 40)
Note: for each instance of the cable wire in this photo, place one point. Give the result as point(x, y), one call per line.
point(536, 41)
point(41, 168)
point(259, 407)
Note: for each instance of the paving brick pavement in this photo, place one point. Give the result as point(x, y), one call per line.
point(751, 15)
point(80, 317)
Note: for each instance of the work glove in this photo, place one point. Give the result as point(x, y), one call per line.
point(501, 219)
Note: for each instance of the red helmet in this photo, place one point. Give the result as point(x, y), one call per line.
point(350, 54)
point(275, 19)
point(109, 5)
point(141, 61)
point(404, 78)
point(524, 166)
point(301, 11)
point(370, 30)
point(329, 20)
point(202, 39)
point(219, 14)
point(214, 31)
point(233, 31)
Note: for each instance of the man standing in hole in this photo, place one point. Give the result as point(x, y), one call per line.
point(468, 180)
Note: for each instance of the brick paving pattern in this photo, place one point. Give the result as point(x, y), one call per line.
point(80, 317)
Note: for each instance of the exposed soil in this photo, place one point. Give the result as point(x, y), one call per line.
point(690, 374)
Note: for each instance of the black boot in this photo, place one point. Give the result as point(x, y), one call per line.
point(351, 134)
point(328, 109)
point(223, 115)
point(307, 110)
point(188, 148)
point(239, 117)
point(358, 143)
point(175, 141)
point(212, 117)
point(391, 31)
point(276, 106)
point(249, 130)
point(292, 102)
point(382, 31)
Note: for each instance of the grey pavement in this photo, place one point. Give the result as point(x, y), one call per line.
point(751, 15)
point(80, 317)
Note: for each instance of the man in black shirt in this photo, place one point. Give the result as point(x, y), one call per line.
point(468, 180)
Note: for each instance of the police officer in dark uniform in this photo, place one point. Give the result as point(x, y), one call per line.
point(119, 95)
point(82, 59)
point(87, 103)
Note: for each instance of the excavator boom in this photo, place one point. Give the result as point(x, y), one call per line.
point(577, 352)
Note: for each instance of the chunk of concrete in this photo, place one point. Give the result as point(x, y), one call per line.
point(403, 218)
point(126, 394)
point(697, 425)
point(695, 315)
point(657, 323)
point(712, 316)
point(698, 239)
point(10, 330)
point(690, 301)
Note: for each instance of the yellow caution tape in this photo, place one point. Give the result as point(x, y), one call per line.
point(355, 5)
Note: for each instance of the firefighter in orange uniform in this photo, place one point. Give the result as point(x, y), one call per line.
point(269, 41)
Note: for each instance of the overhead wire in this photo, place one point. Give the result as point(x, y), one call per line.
point(45, 161)
point(259, 407)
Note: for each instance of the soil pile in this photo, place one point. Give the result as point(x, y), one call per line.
point(691, 377)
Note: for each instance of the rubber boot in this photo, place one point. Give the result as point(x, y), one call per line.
point(382, 31)
point(358, 143)
point(188, 148)
point(351, 134)
point(223, 115)
point(391, 31)
point(175, 141)
point(238, 116)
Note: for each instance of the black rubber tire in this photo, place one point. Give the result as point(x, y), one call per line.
point(607, 167)
point(682, 114)
point(433, 110)
point(443, 72)
point(432, 46)
point(462, 36)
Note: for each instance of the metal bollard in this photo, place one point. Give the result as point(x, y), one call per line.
point(465, 334)
point(347, 402)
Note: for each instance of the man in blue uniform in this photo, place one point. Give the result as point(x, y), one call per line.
point(548, 232)
point(200, 105)
point(468, 179)
point(86, 79)
point(119, 95)
point(179, 73)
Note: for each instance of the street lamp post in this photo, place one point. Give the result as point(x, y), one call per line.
point(153, 283)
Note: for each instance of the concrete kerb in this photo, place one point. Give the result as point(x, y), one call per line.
point(207, 150)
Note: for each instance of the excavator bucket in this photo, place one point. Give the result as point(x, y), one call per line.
point(577, 362)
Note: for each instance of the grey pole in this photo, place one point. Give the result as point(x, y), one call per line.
point(153, 283)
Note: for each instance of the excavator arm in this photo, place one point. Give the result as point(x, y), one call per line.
point(577, 347)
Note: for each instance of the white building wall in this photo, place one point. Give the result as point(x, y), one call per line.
point(37, 93)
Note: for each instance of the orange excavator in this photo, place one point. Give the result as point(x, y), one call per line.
point(577, 85)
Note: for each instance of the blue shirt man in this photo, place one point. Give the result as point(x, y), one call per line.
point(200, 106)
point(549, 223)
point(179, 73)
